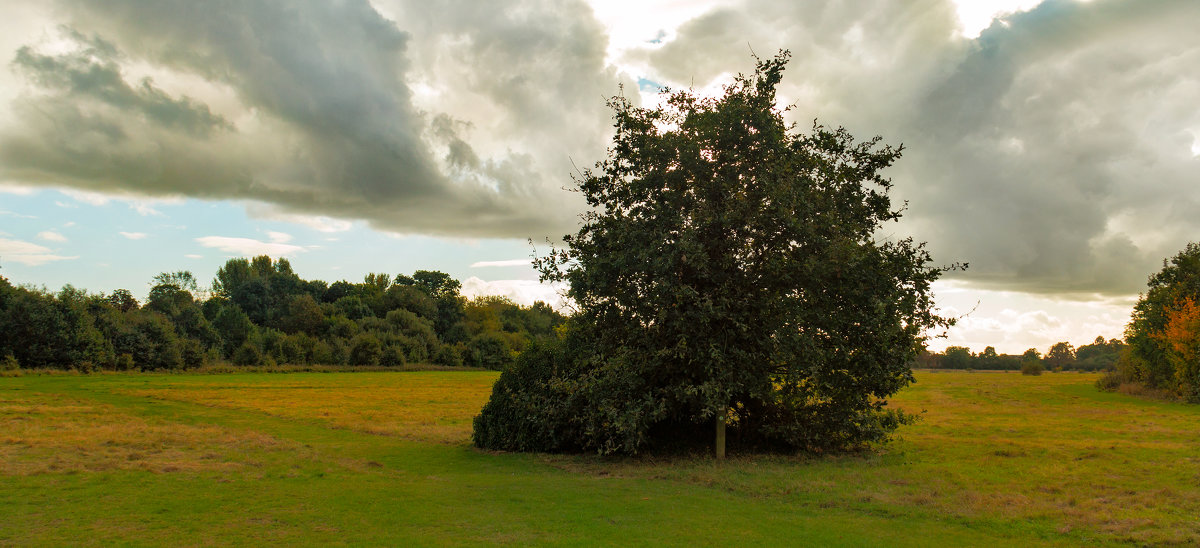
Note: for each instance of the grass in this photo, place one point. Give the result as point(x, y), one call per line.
point(384, 458)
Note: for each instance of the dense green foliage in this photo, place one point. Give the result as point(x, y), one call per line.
point(260, 312)
point(1164, 332)
point(729, 273)
point(1101, 355)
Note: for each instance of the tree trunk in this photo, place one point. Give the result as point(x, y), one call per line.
point(720, 441)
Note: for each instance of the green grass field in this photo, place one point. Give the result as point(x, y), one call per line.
point(384, 459)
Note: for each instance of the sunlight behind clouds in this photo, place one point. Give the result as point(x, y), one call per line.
point(976, 15)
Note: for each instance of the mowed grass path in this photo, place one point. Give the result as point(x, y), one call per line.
point(384, 459)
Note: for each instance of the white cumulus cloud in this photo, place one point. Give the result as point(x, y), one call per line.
point(29, 254)
point(51, 236)
point(523, 292)
point(248, 246)
point(279, 237)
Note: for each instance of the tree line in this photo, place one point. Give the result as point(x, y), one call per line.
point(258, 311)
point(1101, 355)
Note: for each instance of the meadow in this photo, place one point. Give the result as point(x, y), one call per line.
point(384, 459)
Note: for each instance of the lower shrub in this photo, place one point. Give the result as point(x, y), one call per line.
point(247, 354)
point(1110, 381)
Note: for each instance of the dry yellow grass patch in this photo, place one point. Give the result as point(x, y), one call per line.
point(418, 406)
point(53, 433)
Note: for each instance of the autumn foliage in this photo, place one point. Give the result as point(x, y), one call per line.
point(1182, 338)
point(1164, 334)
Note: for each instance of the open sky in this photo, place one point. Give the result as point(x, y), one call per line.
point(1053, 146)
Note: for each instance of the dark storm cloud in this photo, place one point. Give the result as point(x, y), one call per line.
point(91, 73)
point(1053, 153)
point(324, 118)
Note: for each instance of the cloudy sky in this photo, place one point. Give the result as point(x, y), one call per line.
point(1054, 146)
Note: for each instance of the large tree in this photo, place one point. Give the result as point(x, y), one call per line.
point(731, 272)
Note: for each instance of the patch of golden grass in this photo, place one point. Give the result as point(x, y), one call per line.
point(419, 406)
point(57, 434)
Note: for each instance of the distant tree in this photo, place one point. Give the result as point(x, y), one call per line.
point(1100, 355)
point(123, 300)
point(1061, 355)
point(445, 291)
point(353, 307)
point(182, 279)
point(231, 276)
point(162, 348)
point(437, 284)
point(302, 314)
point(234, 327)
point(956, 357)
point(728, 274)
point(254, 299)
point(365, 349)
point(989, 359)
point(377, 281)
point(489, 350)
point(928, 360)
point(412, 299)
point(1031, 362)
point(171, 293)
point(246, 354)
point(337, 291)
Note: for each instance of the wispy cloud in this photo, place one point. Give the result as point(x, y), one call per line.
point(14, 188)
point(320, 223)
point(509, 262)
point(144, 209)
point(194, 256)
point(29, 254)
point(279, 237)
point(51, 236)
point(17, 215)
point(89, 198)
point(134, 235)
point(248, 246)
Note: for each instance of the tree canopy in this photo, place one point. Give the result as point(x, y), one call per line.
point(730, 272)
